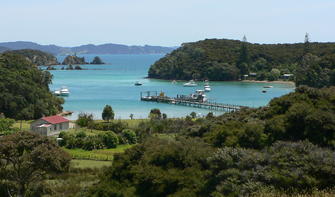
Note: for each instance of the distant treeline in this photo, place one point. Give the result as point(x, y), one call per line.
point(222, 59)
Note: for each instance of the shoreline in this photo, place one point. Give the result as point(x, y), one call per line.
point(246, 81)
point(278, 82)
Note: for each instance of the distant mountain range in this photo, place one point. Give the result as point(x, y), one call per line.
point(86, 49)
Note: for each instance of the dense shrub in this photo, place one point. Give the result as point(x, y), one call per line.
point(188, 167)
point(89, 141)
point(85, 119)
point(130, 136)
point(286, 166)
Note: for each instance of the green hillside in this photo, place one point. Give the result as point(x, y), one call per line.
point(222, 60)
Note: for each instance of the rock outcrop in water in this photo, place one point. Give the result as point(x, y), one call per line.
point(74, 60)
point(97, 60)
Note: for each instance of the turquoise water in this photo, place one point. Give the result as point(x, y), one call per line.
point(113, 84)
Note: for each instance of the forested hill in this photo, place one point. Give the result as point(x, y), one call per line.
point(37, 57)
point(88, 49)
point(222, 59)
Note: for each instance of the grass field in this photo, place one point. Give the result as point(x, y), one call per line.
point(99, 155)
point(25, 125)
point(84, 164)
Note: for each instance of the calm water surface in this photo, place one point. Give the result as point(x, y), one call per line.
point(113, 84)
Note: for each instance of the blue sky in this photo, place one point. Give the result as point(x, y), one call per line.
point(165, 22)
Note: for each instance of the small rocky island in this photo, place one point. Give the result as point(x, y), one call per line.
point(74, 60)
point(97, 60)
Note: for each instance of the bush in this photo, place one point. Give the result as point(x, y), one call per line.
point(110, 139)
point(84, 120)
point(130, 136)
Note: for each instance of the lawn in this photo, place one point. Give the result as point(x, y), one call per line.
point(99, 155)
point(132, 124)
point(84, 164)
point(25, 125)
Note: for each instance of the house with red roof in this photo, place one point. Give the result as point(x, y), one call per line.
point(50, 126)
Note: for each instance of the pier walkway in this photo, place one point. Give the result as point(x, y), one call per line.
point(153, 96)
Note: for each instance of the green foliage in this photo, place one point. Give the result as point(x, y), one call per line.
point(88, 140)
point(73, 60)
point(156, 168)
point(25, 159)
point(85, 120)
point(189, 167)
point(6, 125)
point(286, 166)
point(307, 113)
point(36, 57)
point(220, 59)
point(108, 113)
point(155, 114)
point(130, 136)
point(24, 91)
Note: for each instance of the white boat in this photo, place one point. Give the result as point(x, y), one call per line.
point(64, 91)
point(268, 87)
point(57, 92)
point(207, 87)
point(191, 83)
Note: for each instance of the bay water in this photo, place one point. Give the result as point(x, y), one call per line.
point(113, 84)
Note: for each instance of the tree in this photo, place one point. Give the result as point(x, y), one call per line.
point(307, 47)
point(155, 114)
point(243, 60)
point(131, 116)
point(26, 158)
point(24, 91)
point(108, 113)
point(193, 115)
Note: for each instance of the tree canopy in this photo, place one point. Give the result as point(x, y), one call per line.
point(24, 89)
point(25, 159)
point(223, 60)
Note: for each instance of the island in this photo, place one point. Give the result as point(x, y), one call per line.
point(74, 60)
point(227, 60)
point(97, 60)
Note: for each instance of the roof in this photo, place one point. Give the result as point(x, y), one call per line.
point(55, 119)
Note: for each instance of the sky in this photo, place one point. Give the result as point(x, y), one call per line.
point(165, 22)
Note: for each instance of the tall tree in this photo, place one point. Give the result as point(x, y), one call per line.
point(25, 159)
point(108, 113)
point(307, 46)
point(243, 59)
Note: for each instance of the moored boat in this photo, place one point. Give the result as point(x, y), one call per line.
point(137, 83)
point(191, 83)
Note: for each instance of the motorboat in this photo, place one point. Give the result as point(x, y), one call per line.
point(191, 83)
point(137, 83)
point(64, 91)
point(199, 96)
point(268, 87)
point(57, 92)
point(207, 88)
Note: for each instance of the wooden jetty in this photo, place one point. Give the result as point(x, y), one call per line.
point(153, 96)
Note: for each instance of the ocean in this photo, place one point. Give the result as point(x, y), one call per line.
point(113, 84)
